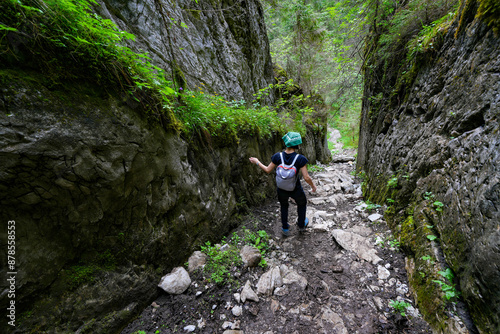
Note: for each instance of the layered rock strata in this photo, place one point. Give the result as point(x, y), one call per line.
point(433, 155)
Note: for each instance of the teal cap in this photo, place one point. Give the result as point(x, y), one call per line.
point(292, 139)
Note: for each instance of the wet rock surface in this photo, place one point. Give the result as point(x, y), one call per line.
point(315, 282)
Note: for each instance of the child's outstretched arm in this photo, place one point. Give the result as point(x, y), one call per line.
point(268, 169)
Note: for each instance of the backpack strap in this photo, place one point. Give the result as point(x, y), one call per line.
point(283, 161)
point(293, 162)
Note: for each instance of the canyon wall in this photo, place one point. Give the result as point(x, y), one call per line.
point(430, 150)
point(105, 202)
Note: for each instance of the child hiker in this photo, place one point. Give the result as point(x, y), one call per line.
point(289, 164)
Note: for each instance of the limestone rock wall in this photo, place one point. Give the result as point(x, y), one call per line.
point(440, 142)
point(85, 178)
point(105, 203)
point(220, 46)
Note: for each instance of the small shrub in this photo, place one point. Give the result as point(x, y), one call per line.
point(449, 289)
point(393, 182)
point(315, 168)
point(399, 306)
point(219, 262)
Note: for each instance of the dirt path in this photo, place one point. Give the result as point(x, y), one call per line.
point(337, 277)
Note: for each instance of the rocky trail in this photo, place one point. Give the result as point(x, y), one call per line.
point(339, 276)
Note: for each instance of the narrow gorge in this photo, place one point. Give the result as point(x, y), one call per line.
point(125, 132)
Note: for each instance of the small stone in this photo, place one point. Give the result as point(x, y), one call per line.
point(379, 303)
point(236, 325)
point(237, 297)
point(198, 293)
point(274, 305)
point(250, 256)
point(190, 328)
point(281, 291)
point(196, 260)
point(254, 309)
point(387, 266)
point(227, 324)
point(337, 269)
point(155, 305)
point(374, 217)
point(248, 293)
point(383, 273)
point(402, 289)
point(237, 311)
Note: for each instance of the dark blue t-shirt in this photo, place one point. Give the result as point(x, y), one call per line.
point(288, 159)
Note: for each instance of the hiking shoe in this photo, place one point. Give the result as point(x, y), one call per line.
point(285, 232)
point(306, 222)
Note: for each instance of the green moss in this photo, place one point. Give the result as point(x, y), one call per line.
point(489, 11)
point(279, 72)
point(467, 13)
point(407, 238)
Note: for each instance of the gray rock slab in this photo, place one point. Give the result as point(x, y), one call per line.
point(357, 244)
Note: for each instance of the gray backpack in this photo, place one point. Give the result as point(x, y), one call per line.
point(286, 176)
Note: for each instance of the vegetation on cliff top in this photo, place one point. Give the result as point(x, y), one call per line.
point(403, 36)
point(68, 42)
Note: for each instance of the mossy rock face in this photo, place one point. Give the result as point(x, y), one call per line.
point(489, 10)
point(99, 190)
point(442, 146)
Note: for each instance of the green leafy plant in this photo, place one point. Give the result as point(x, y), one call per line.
point(390, 201)
point(260, 240)
point(370, 206)
point(399, 306)
point(219, 262)
point(393, 182)
point(431, 237)
point(380, 242)
point(394, 243)
point(449, 289)
point(429, 259)
point(428, 195)
point(235, 239)
point(438, 206)
point(315, 168)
